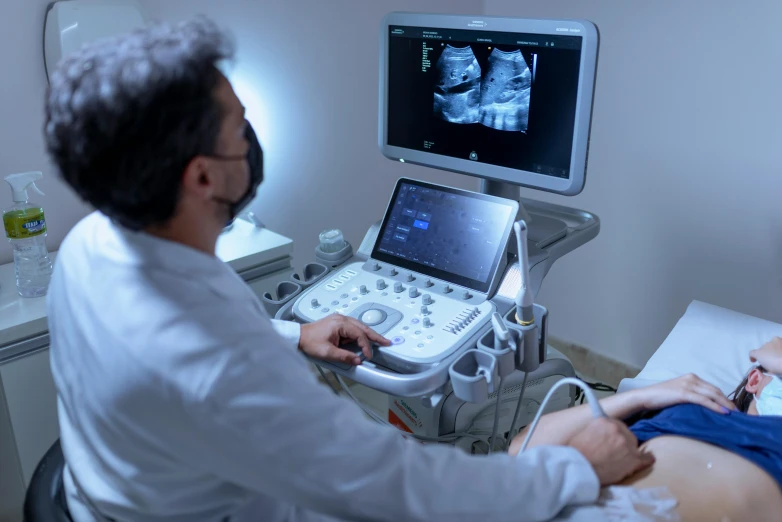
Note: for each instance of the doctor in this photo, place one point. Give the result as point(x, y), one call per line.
point(179, 400)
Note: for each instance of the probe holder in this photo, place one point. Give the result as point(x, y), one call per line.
point(285, 291)
point(531, 340)
point(474, 376)
point(506, 358)
point(312, 273)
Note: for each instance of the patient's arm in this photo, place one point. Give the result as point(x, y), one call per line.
point(560, 427)
point(769, 356)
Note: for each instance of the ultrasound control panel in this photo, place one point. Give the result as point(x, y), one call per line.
point(425, 320)
point(427, 285)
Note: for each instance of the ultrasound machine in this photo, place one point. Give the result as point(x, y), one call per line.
point(449, 275)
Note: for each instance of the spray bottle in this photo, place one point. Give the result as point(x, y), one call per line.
point(25, 227)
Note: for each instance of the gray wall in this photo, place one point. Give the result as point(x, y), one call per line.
point(684, 170)
point(21, 118)
point(683, 165)
point(310, 85)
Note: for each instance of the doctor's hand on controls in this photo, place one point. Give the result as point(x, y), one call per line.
point(322, 339)
point(179, 399)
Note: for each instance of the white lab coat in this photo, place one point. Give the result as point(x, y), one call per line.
point(179, 401)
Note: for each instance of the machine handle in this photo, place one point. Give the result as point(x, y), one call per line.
point(392, 383)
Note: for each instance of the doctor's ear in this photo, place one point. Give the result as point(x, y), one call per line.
point(196, 177)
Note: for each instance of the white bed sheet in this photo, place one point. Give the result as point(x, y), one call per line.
point(711, 342)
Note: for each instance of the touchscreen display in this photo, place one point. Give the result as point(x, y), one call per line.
point(450, 234)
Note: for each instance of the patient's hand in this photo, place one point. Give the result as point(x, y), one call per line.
point(769, 356)
point(687, 388)
point(611, 449)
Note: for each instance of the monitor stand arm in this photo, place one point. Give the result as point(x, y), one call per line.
point(542, 230)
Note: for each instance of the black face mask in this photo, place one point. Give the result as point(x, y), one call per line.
point(255, 162)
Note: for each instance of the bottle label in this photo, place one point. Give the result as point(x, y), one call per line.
point(24, 224)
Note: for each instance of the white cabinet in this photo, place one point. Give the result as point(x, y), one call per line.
point(32, 407)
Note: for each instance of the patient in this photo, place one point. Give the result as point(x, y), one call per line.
point(721, 459)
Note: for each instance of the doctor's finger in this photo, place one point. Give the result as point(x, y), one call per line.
point(357, 331)
point(343, 356)
point(369, 332)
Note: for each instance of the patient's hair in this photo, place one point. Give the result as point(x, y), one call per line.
point(125, 116)
point(741, 397)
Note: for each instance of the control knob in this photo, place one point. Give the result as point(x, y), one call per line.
point(315, 303)
point(398, 288)
point(381, 285)
point(427, 299)
point(410, 277)
point(363, 290)
point(413, 292)
point(427, 322)
point(425, 310)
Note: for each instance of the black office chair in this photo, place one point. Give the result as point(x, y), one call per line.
point(45, 498)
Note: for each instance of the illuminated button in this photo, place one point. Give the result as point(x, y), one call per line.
point(430, 337)
point(413, 292)
point(421, 345)
point(418, 332)
point(324, 310)
point(331, 287)
point(405, 328)
point(354, 299)
point(397, 340)
point(384, 294)
point(338, 282)
point(415, 321)
point(334, 303)
point(344, 296)
point(427, 299)
point(344, 277)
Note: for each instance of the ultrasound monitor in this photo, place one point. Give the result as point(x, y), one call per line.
point(503, 99)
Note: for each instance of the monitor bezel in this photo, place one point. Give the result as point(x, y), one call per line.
point(570, 186)
point(435, 273)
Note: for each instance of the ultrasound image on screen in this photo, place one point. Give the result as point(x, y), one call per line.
point(454, 233)
point(503, 99)
point(499, 99)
